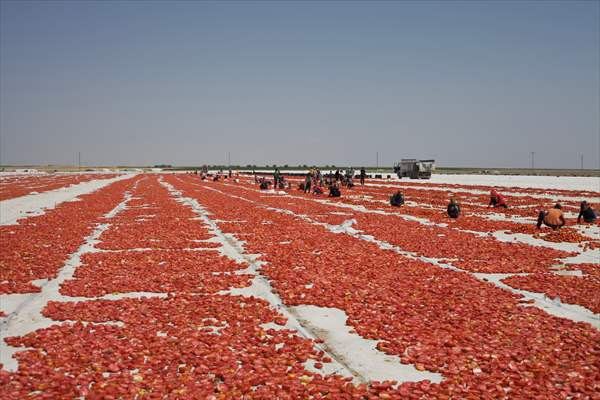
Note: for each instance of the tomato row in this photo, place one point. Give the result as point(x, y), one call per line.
point(583, 290)
point(37, 247)
point(154, 271)
point(154, 219)
point(24, 185)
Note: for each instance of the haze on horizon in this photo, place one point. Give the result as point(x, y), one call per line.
point(184, 83)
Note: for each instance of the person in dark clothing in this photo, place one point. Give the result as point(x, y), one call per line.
point(397, 199)
point(281, 182)
point(307, 182)
point(497, 200)
point(363, 174)
point(276, 177)
point(337, 175)
point(587, 212)
point(553, 218)
point(264, 184)
point(334, 190)
point(453, 209)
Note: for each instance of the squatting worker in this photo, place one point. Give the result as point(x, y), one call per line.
point(397, 199)
point(334, 190)
point(554, 218)
point(497, 200)
point(453, 209)
point(587, 212)
point(363, 174)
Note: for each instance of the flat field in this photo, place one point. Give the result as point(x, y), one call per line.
point(160, 286)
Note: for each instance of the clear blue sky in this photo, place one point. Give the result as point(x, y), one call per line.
point(140, 82)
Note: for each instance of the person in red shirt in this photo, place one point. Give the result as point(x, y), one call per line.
point(554, 218)
point(497, 200)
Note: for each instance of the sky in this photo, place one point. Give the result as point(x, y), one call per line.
point(479, 84)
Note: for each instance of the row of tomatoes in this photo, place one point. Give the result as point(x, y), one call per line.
point(582, 290)
point(21, 186)
point(479, 337)
point(159, 271)
point(154, 219)
point(38, 246)
point(563, 235)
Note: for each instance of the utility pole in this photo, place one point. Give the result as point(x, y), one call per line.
point(79, 160)
point(377, 161)
point(532, 159)
point(229, 159)
point(581, 160)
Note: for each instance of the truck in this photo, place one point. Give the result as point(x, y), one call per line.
point(414, 169)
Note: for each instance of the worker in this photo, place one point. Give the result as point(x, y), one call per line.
point(363, 174)
point(587, 212)
point(554, 218)
point(307, 182)
point(497, 200)
point(263, 184)
point(453, 208)
point(281, 184)
point(318, 189)
point(349, 173)
point(276, 176)
point(334, 190)
point(397, 199)
point(337, 175)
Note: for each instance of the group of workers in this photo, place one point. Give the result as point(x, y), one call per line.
point(555, 218)
point(314, 182)
point(453, 209)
